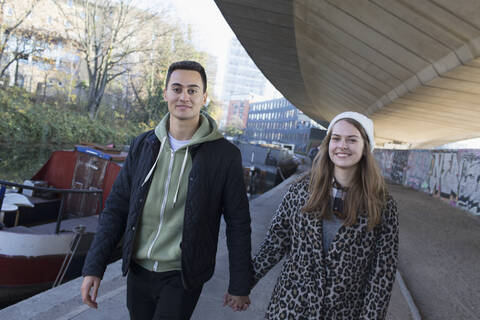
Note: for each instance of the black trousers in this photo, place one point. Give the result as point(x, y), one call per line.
point(159, 295)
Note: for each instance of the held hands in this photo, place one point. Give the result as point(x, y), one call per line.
point(87, 284)
point(237, 303)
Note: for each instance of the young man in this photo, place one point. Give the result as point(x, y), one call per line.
point(167, 202)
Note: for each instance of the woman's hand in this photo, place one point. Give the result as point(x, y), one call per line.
point(237, 303)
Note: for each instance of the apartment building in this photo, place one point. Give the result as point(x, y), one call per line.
point(37, 53)
point(278, 121)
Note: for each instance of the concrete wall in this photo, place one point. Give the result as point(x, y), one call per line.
point(452, 175)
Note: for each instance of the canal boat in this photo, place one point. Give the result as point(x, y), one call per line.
point(48, 222)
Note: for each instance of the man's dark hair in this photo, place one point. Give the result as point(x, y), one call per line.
point(188, 65)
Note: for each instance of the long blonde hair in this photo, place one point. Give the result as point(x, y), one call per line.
point(366, 193)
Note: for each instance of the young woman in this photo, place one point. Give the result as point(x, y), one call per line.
point(338, 231)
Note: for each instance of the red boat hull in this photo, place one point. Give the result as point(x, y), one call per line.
point(31, 253)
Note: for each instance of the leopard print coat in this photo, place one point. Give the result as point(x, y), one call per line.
point(352, 281)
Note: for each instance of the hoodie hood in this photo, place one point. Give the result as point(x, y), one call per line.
point(207, 131)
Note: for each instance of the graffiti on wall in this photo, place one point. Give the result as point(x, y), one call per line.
point(452, 175)
point(418, 166)
point(444, 175)
point(469, 190)
point(399, 166)
point(385, 159)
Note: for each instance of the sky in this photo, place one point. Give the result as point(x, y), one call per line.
point(464, 144)
point(211, 33)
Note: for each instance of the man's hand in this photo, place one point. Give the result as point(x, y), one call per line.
point(237, 303)
point(87, 284)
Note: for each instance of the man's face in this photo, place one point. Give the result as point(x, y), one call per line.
point(184, 94)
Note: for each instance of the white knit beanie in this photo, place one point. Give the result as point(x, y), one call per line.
point(365, 122)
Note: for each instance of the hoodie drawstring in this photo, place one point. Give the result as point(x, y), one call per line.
point(155, 164)
point(180, 177)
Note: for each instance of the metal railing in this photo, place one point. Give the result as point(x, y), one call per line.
point(62, 192)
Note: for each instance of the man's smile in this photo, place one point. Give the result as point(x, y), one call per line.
point(183, 106)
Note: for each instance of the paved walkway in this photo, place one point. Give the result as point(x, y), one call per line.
point(65, 303)
point(439, 256)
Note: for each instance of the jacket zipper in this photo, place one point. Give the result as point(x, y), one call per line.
point(162, 211)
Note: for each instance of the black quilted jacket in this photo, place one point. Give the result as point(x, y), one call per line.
point(215, 187)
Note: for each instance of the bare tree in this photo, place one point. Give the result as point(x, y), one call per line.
point(109, 34)
point(16, 40)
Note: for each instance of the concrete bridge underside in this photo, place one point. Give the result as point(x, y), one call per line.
point(412, 65)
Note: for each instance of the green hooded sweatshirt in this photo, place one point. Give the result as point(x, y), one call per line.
point(157, 244)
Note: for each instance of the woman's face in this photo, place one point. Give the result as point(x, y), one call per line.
point(346, 145)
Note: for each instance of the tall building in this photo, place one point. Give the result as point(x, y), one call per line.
point(241, 77)
point(278, 121)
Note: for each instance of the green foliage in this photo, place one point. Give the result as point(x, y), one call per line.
point(232, 131)
point(151, 109)
point(25, 122)
point(139, 107)
point(19, 162)
point(214, 110)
